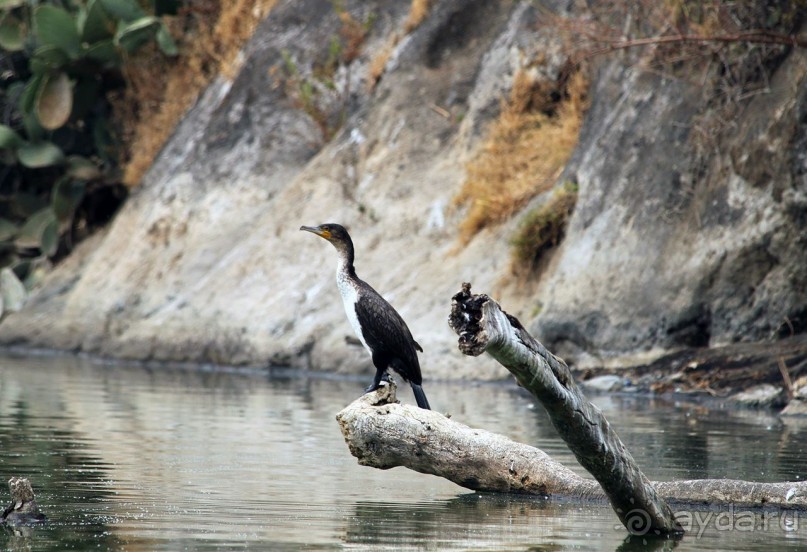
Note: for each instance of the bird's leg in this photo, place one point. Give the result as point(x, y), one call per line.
point(379, 376)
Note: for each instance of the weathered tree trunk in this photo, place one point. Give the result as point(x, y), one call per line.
point(384, 434)
point(484, 327)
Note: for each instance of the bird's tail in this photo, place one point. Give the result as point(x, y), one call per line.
point(420, 396)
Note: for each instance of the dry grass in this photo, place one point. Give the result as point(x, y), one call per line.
point(418, 12)
point(159, 91)
point(525, 150)
point(379, 63)
point(353, 34)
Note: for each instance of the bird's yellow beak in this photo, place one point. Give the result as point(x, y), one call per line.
point(318, 231)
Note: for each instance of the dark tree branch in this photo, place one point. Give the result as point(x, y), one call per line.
point(754, 37)
point(484, 327)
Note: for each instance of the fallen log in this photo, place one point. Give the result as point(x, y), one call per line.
point(382, 433)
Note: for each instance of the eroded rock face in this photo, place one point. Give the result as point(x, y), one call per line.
point(205, 262)
point(662, 252)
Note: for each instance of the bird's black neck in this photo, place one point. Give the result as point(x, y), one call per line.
point(345, 250)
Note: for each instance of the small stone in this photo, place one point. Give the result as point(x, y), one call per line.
point(606, 383)
point(800, 388)
point(763, 395)
point(795, 408)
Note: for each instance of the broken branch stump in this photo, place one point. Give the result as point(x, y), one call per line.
point(23, 508)
point(483, 326)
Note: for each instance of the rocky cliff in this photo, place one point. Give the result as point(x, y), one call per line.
point(669, 246)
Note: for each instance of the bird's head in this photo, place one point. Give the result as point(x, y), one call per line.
point(334, 233)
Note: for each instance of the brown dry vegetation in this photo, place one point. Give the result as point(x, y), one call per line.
point(525, 149)
point(418, 12)
point(379, 62)
point(159, 91)
point(353, 34)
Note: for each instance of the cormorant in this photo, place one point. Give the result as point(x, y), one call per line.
point(377, 324)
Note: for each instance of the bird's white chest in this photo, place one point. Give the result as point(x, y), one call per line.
point(349, 299)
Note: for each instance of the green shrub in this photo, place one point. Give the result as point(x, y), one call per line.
point(543, 228)
point(55, 138)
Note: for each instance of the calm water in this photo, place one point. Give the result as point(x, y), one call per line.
point(137, 459)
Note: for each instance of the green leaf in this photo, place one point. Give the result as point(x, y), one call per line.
point(97, 25)
point(50, 239)
point(7, 229)
point(67, 194)
point(127, 10)
point(28, 96)
point(33, 129)
point(54, 101)
point(12, 292)
point(104, 52)
point(47, 58)
point(131, 36)
point(166, 42)
point(81, 168)
point(40, 154)
point(27, 100)
point(12, 34)
point(30, 235)
point(56, 27)
point(9, 138)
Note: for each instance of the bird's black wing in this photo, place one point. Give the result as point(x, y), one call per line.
point(386, 332)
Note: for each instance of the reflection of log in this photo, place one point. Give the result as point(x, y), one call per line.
point(23, 508)
point(484, 327)
point(384, 434)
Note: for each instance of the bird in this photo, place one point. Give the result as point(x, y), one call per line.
point(379, 327)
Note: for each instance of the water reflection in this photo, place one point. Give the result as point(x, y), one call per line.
point(479, 521)
point(164, 459)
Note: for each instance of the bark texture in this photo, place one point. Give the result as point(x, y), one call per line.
point(484, 327)
point(382, 433)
